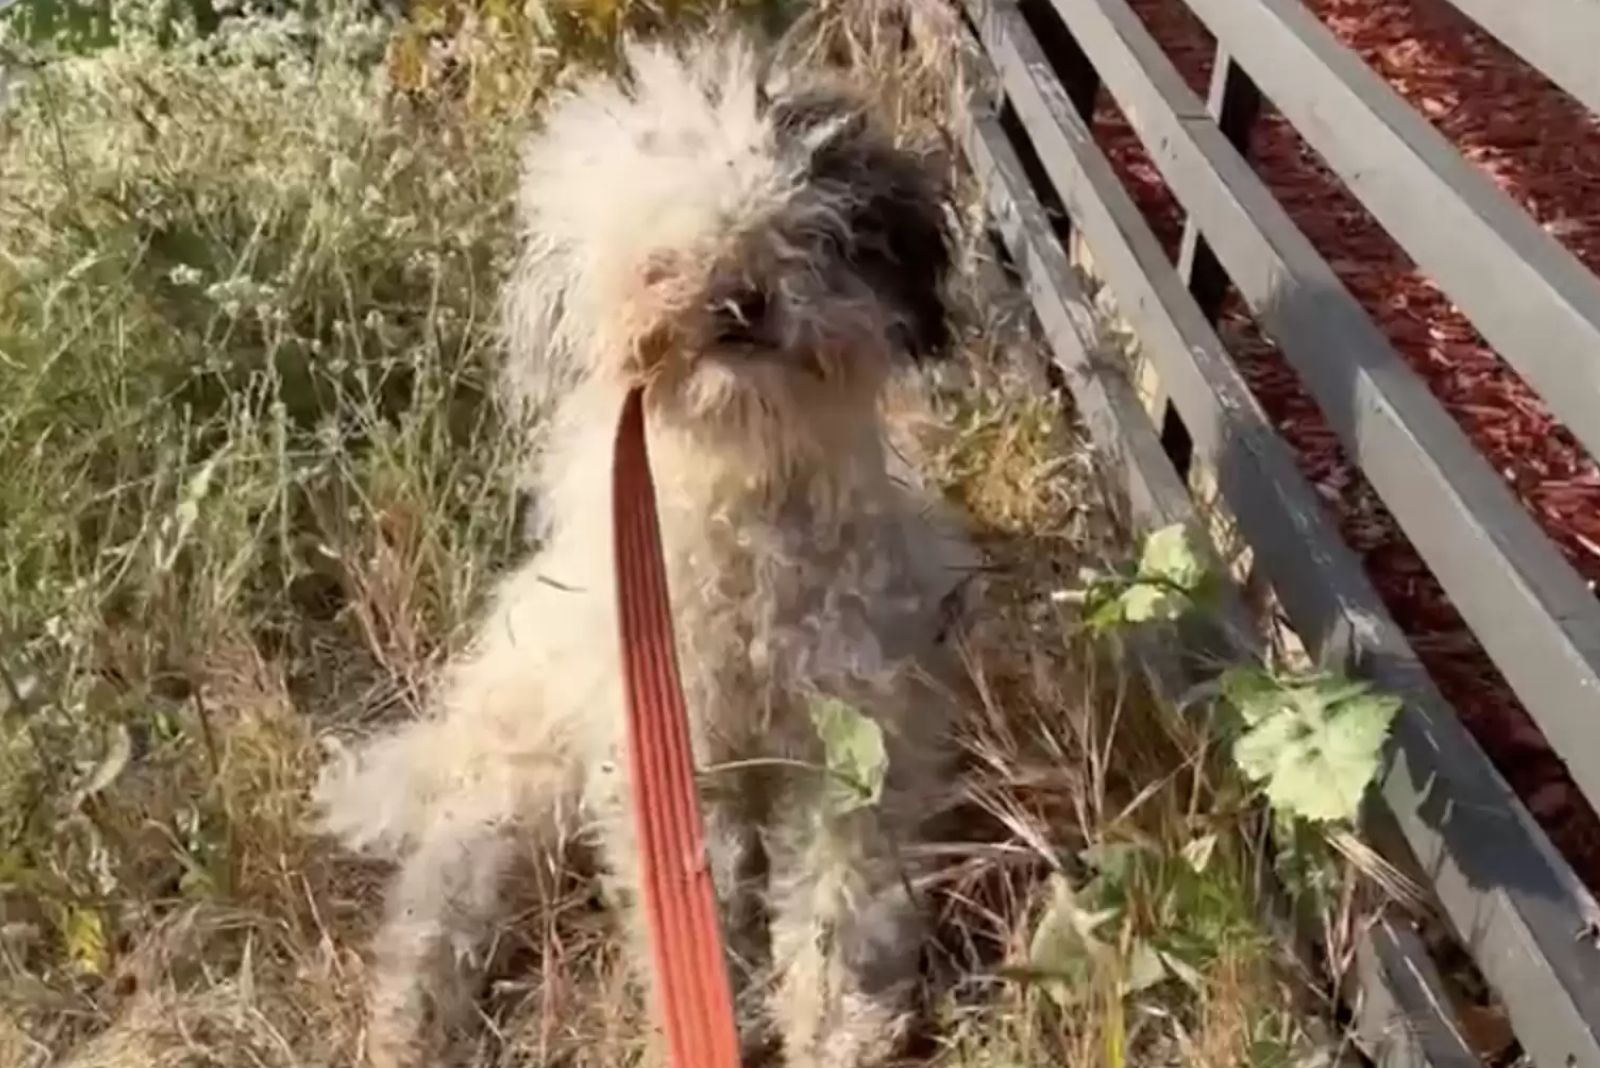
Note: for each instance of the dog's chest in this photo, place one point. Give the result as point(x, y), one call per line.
point(772, 612)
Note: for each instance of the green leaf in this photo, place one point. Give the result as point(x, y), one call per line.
point(1252, 692)
point(1105, 613)
point(1142, 603)
point(1165, 585)
point(1306, 864)
point(1064, 949)
point(1186, 973)
point(854, 753)
point(1119, 867)
point(1314, 746)
point(1169, 557)
point(1144, 968)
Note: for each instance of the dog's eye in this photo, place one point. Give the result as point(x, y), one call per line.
point(741, 317)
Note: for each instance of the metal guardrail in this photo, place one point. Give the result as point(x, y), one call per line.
point(1511, 899)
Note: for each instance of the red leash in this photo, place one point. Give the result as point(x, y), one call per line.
point(694, 1000)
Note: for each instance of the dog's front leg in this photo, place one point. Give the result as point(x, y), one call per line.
point(845, 938)
point(441, 911)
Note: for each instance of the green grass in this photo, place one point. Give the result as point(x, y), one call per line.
point(250, 492)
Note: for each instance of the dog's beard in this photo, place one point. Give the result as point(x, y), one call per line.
point(754, 385)
point(772, 412)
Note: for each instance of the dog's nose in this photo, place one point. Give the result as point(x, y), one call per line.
point(740, 317)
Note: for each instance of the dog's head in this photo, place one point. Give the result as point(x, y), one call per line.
point(751, 245)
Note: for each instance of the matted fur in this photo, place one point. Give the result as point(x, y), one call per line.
point(750, 244)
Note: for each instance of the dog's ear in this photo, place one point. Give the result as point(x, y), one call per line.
point(895, 202)
point(903, 243)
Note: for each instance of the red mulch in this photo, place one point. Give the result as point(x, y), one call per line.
point(1543, 149)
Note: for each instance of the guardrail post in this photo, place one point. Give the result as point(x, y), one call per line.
point(1069, 61)
point(1234, 102)
point(1077, 75)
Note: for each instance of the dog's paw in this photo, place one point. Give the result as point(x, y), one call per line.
point(859, 1032)
point(367, 800)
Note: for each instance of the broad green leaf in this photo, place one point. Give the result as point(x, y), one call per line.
point(1144, 968)
point(1252, 692)
point(1106, 613)
point(1168, 556)
point(1064, 948)
point(1142, 603)
point(1327, 691)
point(853, 752)
point(1162, 589)
point(1318, 749)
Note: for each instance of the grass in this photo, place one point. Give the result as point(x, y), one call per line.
point(1095, 807)
point(252, 491)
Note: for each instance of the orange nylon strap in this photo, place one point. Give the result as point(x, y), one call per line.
point(694, 1001)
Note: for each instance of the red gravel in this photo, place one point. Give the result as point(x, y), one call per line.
point(1543, 149)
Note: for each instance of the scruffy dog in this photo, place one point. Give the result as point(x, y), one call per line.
point(748, 243)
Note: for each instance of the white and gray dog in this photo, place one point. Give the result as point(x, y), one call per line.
point(749, 243)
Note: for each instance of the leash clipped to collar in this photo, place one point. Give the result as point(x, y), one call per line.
point(694, 1000)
